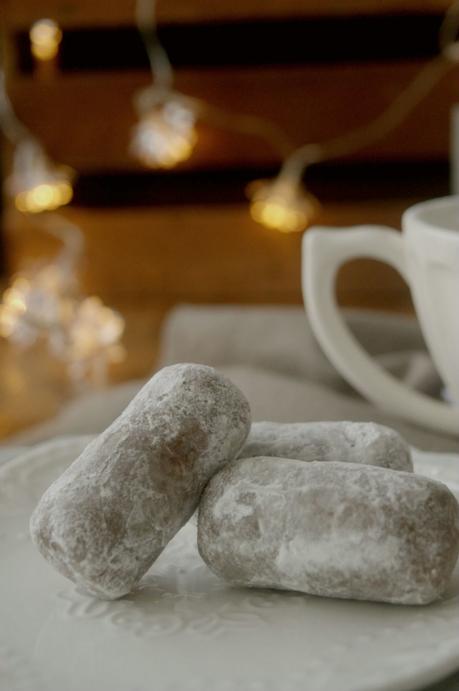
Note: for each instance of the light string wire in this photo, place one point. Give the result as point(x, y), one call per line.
point(70, 237)
point(163, 81)
point(160, 65)
point(46, 300)
point(13, 129)
point(250, 125)
point(447, 35)
point(359, 138)
point(64, 263)
point(297, 159)
point(65, 232)
point(36, 183)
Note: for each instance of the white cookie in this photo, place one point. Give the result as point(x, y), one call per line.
point(109, 516)
point(350, 442)
point(335, 529)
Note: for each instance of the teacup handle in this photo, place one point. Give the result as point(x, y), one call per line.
point(324, 251)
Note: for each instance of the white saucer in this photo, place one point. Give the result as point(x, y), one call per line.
point(185, 630)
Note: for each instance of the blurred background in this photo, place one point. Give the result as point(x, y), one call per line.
point(263, 77)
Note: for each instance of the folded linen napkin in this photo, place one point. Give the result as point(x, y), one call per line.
point(279, 339)
point(271, 354)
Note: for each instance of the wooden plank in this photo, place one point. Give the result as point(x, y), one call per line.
point(209, 254)
point(85, 120)
point(77, 13)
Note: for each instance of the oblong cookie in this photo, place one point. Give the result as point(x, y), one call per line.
point(108, 517)
point(334, 529)
point(350, 442)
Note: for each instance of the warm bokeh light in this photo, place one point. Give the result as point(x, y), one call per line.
point(36, 184)
point(282, 205)
point(44, 197)
point(94, 328)
point(34, 302)
point(45, 38)
point(165, 135)
point(82, 332)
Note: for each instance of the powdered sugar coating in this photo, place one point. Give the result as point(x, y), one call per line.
point(109, 516)
point(350, 442)
point(334, 529)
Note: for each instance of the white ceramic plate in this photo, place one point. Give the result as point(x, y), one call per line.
point(184, 630)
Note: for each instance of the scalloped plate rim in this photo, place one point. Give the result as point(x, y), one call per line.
point(440, 667)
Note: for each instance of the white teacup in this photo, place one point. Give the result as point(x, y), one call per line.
point(427, 255)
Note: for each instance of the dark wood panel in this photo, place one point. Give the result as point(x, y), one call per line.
point(71, 13)
point(85, 120)
point(285, 41)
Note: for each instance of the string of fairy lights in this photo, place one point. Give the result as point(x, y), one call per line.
point(166, 134)
point(45, 302)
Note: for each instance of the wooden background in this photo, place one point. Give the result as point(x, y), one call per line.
point(114, 12)
point(317, 68)
point(333, 79)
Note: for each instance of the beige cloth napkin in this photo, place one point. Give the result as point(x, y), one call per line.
point(271, 354)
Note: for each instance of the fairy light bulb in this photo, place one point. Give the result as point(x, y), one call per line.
point(94, 328)
point(34, 303)
point(282, 204)
point(165, 134)
point(36, 184)
point(93, 341)
point(12, 308)
point(45, 37)
point(81, 331)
